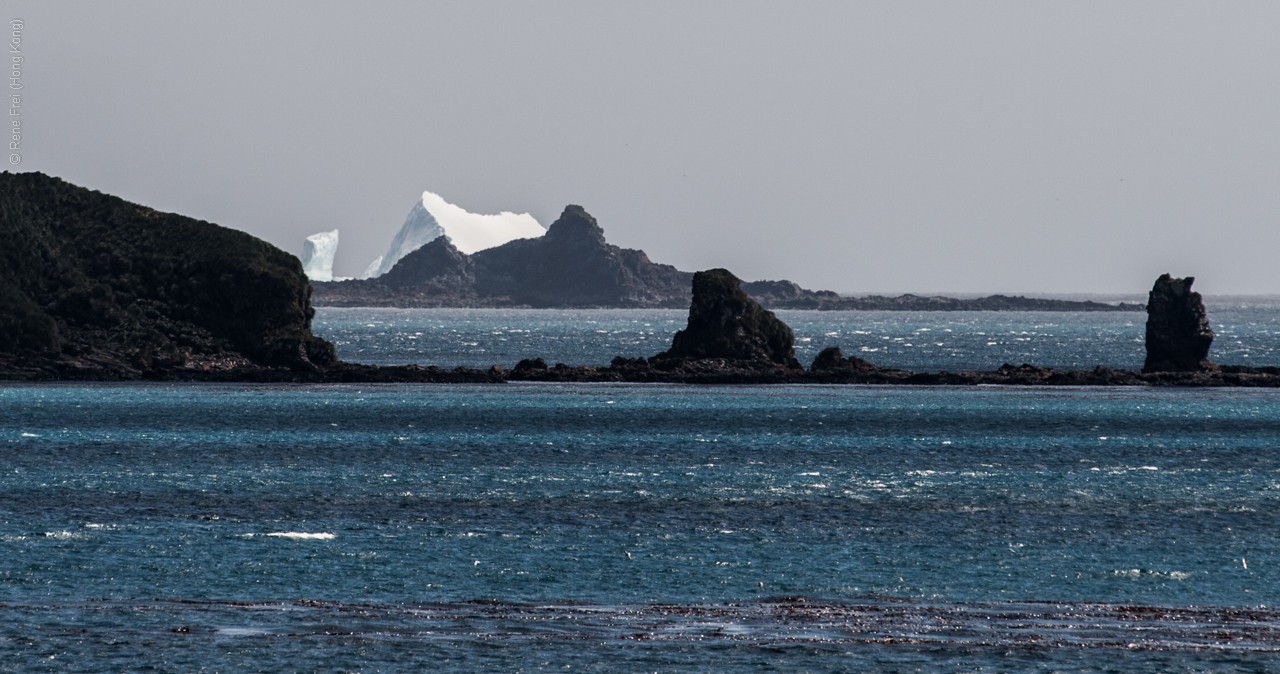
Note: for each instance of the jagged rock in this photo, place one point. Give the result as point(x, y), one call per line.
point(126, 289)
point(570, 266)
point(622, 362)
point(573, 265)
point(1178, 332)
point(438, 265)
point(530, 364)
point(724, 323)
point(830, 359)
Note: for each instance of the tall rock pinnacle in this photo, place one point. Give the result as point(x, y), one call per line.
point(1178, 332)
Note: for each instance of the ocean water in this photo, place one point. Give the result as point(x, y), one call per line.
point(1248, 330)
point(640, 528)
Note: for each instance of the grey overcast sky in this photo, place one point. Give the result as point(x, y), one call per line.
point(1030, 147)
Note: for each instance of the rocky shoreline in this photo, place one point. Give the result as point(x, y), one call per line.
point(730, 340)
point(94, 288)
point(698, 372)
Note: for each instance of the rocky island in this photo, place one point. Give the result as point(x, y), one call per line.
point(93, 287)
point(570, 266)
point(573, 266)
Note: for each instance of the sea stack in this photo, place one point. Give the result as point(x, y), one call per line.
point(724, 323)
point(1178, 332)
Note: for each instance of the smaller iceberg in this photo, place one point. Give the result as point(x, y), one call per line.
point(372, 270)
point(317, 255)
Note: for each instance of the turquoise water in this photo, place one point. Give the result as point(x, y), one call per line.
point(637, 528)
point(1248, 334)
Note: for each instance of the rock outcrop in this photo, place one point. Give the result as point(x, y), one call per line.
point(831, 359)
point(572, 265)
point(1178, 332)
point(724, 323)
point(438, 267)
point(90, 280)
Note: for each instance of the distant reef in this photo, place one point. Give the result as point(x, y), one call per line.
point(788, 295)
point(573, 266)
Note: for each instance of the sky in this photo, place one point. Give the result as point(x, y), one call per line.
point(863, 147)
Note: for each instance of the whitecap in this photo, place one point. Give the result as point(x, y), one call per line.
point(242, 631)
point(30, 435)
point(302, 535)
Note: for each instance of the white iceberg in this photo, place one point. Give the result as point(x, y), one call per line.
point(432, 216)
point(372, 270)
point(317, 255)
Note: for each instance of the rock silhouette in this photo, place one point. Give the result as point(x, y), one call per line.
point(105, 284)
point(724, 323)
point(832, 359)
point(572, 265)
point(1178, 332)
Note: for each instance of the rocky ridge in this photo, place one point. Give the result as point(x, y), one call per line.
point(789, 295)
point(572, 265)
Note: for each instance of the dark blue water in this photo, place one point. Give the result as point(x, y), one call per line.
point(1248, 331)
point(637, 528)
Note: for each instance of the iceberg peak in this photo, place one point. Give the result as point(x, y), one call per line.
point(433, 217)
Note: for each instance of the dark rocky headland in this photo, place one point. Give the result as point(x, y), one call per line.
point(94, 288)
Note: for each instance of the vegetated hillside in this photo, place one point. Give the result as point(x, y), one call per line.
point(95, 282)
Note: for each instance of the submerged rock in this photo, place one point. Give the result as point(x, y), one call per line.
point(724, 323)
point(1178, 332)
point(830, 359)
point(530, 364)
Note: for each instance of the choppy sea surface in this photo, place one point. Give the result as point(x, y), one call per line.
point(644, 528)
point(1248, 332)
